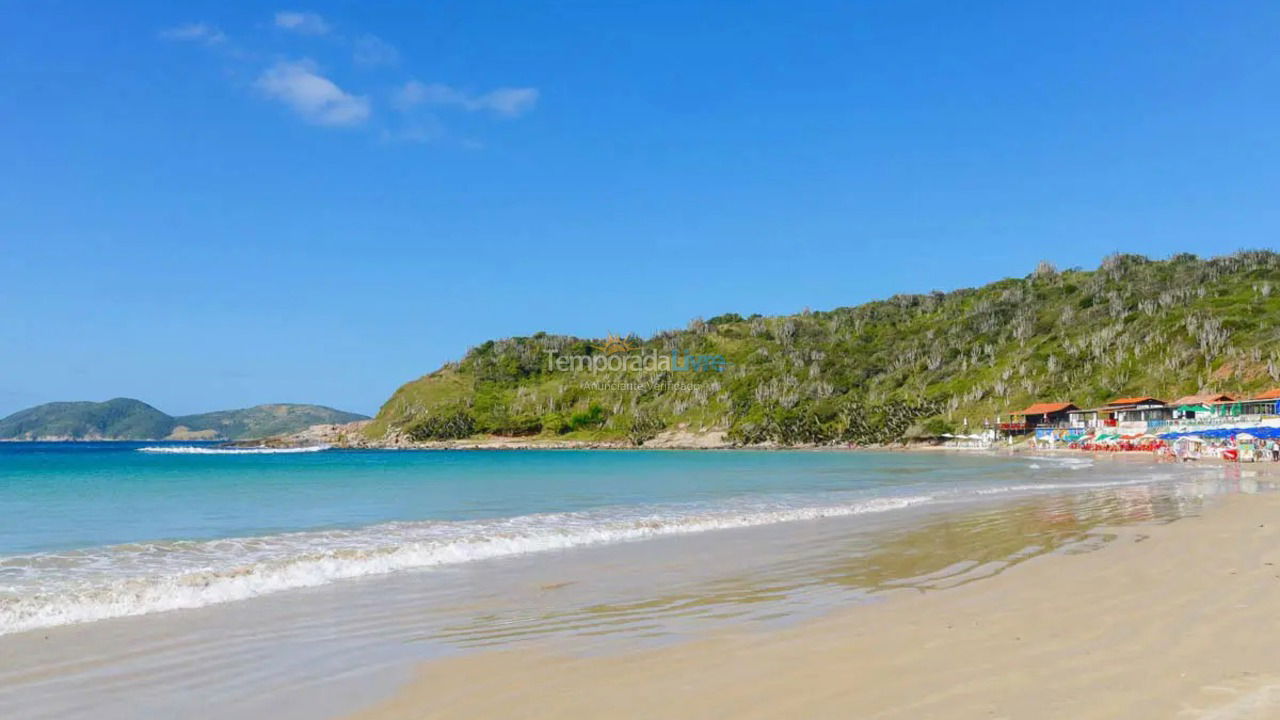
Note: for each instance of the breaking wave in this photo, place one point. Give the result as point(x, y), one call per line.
point(49, 589)
point(195, 450)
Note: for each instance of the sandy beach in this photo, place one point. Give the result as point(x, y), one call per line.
point(1174, 620)
point(820, 584)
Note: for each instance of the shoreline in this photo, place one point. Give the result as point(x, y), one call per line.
point(608, 598)
point(1162, 620)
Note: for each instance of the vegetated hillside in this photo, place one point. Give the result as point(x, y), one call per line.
point(264, 420)
point(911, 364)
point(128, 419)
point(121, 417)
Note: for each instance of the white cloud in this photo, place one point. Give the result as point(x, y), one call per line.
point(316, 98)
point(303, 23)
point(371, 50)
point(195, 32)
point(510, 102)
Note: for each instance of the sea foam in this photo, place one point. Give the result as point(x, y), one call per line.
point(50, 589)
point(196, 450)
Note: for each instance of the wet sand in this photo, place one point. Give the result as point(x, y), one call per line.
point(1174, 620)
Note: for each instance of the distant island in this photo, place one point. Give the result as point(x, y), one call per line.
point(908, 366)
point(129, 419)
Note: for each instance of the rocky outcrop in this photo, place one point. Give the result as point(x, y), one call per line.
point(352, 435)
point(336, 434)
point(687, 439)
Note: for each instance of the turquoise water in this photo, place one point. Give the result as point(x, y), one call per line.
point(93, 531)
point(56, 496)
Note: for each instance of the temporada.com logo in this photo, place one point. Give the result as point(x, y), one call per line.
point(618, 354)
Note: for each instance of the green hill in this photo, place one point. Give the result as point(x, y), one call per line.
point(118, 418)
point(264, 420)
point(127, 419)
point(874, 372)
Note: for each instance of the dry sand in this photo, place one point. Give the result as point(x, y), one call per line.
point(1172, 621)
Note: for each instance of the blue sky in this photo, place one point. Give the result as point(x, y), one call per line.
point(209, 205)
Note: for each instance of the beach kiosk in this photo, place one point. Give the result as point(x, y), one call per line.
point(1246, 447)
point(1188, 447)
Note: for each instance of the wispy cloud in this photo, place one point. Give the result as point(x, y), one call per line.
point(316, 98)
point(302, 87)
point(509, 102)
point(194, 32)
point(303, 23)
point(371, 51)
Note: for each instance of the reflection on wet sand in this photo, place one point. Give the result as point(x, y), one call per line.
point(851, 563)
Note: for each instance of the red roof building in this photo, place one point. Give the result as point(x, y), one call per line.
point(1046, 413)
point(1125, 409)
point(1047, 408)
point(1135, 401)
